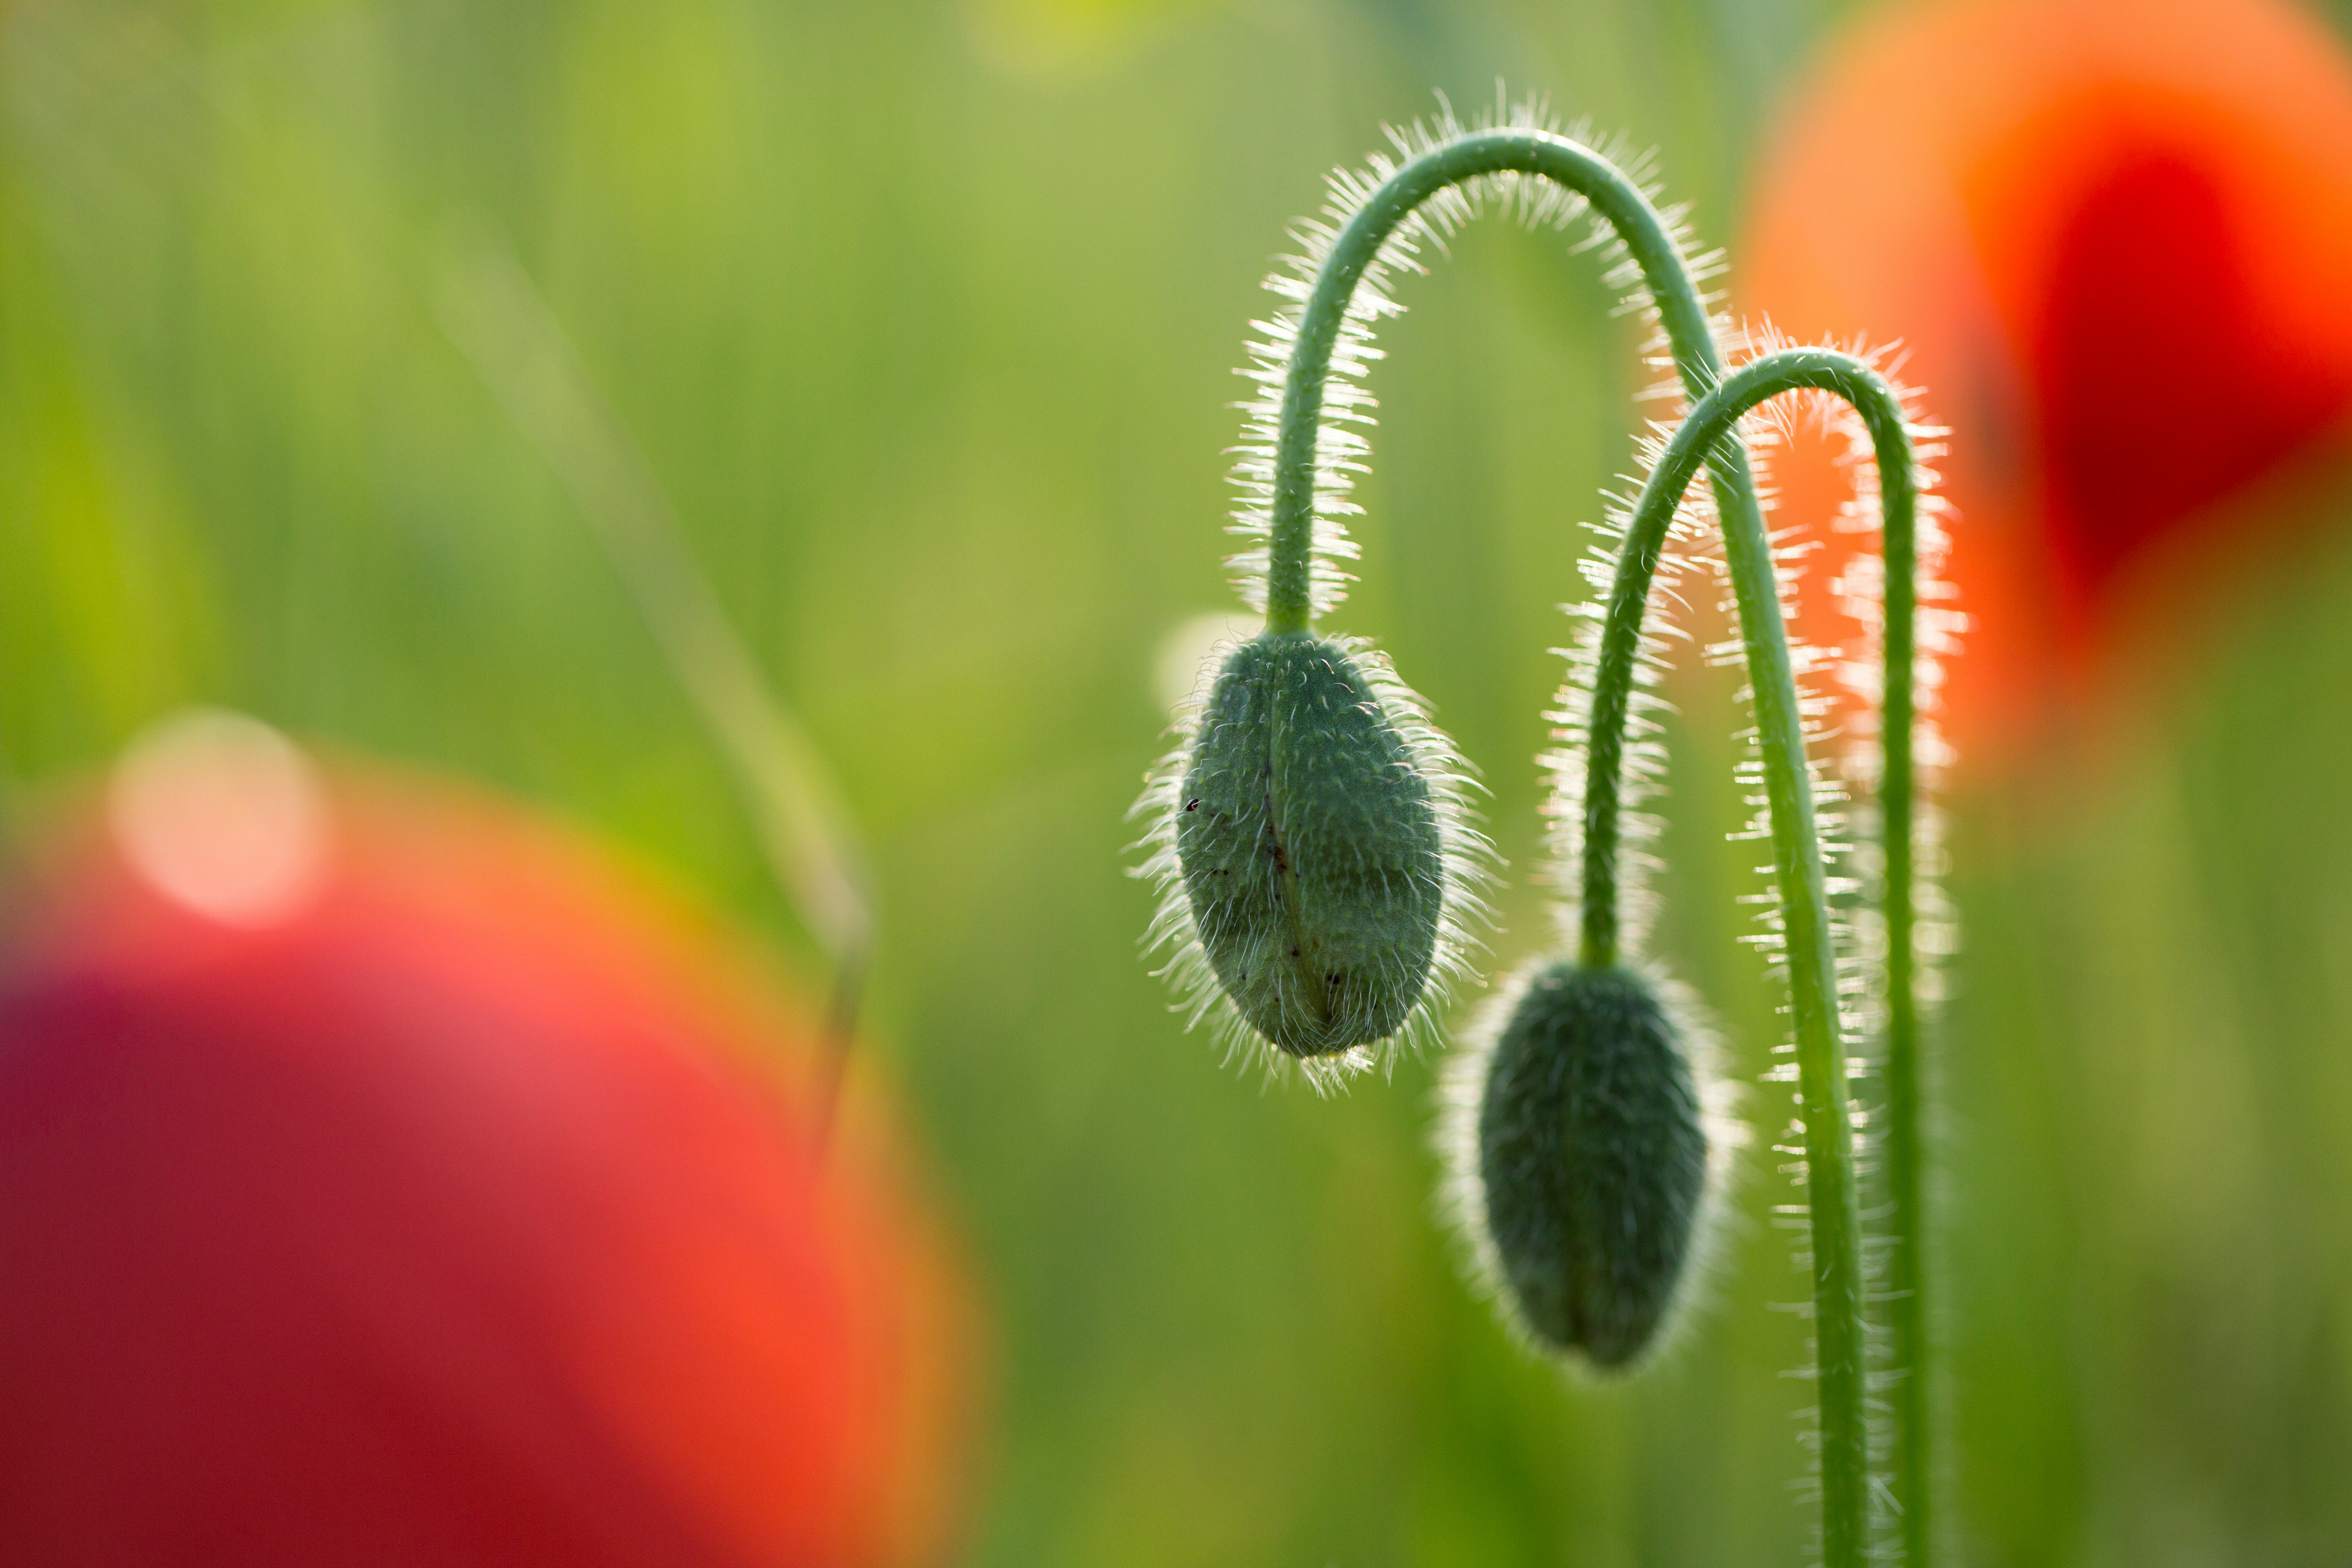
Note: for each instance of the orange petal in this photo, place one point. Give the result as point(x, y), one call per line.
point(2111, 236)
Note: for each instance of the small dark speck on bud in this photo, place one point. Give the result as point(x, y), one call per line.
point(1315, 881)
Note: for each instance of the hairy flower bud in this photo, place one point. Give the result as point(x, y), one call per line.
point(1310, 849)
point(1581, 1159)
point(1306, 845)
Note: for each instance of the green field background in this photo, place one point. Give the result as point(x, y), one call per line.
point(925, 316)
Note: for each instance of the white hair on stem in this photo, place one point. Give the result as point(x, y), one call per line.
point(1858, 764)
point(1341, 450)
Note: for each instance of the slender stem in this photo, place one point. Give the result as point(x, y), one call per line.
point(1683, 314)
point(1907, 1259)
point(1647, 236)
point(1804, 905)
point(495, 314)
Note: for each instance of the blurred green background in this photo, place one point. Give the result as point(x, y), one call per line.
point(925, 316)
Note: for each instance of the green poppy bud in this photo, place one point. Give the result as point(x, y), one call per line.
point(1311, 847)
point(1581, 1159)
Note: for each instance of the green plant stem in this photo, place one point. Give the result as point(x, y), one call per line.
point(1822, 1094)
point(1683, 314)
point(496, 315)
point(1902, 1148)
point(1682, 310)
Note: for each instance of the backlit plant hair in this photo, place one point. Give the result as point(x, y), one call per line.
point(1602, 712)
point(1404, 928)
point(1310, 804)
point(1586, 1045)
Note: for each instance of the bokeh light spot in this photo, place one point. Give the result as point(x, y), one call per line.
point(222, 814)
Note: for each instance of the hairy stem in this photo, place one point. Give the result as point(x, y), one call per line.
point(1289, 602)
point(1683, 314)
point(1822, 1094)
point(1907, 1220)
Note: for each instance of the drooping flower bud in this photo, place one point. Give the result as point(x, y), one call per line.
point(1581, 1158)
point(1305, 839)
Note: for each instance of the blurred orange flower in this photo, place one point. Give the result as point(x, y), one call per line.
point(2114, 236)
point(390, 1180)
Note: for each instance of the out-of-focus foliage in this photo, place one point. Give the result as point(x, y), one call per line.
point(925, 316)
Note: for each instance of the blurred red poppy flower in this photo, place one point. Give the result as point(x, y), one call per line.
point(390, 1180)
point(2113, 237)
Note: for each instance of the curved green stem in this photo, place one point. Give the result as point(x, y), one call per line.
point(1813, 983)
point(1804, 904)
point(1682, 310)
point(1902, 1138)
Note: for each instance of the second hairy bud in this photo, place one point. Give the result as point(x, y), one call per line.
point(1582, 1160)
